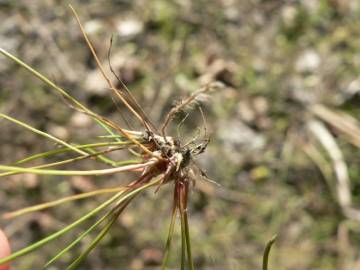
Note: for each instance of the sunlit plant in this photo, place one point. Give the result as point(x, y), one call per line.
point(161, 159)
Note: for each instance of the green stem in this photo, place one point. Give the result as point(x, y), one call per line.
point(72, 173)
point(77, 240)
point(49, 136)
point(169, 238)
point(56, 235)
point(101, 235)
point(64, 150)
point(63, 162)
point(188, 243)
point(183, 243)
point(267, 252)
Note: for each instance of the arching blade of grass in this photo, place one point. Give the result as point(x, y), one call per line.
point(183, 189)
point(102, 71)
point(69, 146)
point(101, 235)
point(111, 136)
point(78, 239)
point(127, 168)
point(101, 157)
point(43, 78)
point(267, 252)
point(115, 91)
point(99, 119)
point(53, 86)
point(47, 135)
point(54, 236)
point(66, 161)
point(64, 150)
point(84, 234)
point(92, 245)
point(67, 199)
point(184, 217)
point(170, 235)
point(183, 244)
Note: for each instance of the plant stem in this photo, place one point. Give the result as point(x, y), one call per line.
point(169, 238)
point(46, 205)
point(56, 235)
point(267, 252)
point(127, 168)
point(77, 240)
point(101, 235)
point(47, 135)
point(64, 150)
point(188, 243)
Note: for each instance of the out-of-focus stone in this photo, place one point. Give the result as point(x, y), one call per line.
point(58, 131)
point(288, 14)
point(261, 105)
point(151, 256)
point(353, 88)
point(245, 112)
point(93, 27)
point(31, 180)
point(95, 83)
point(80, 120)
point(129, 27)
point(308, 61)
point(82, 184)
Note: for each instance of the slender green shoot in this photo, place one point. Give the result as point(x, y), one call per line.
point(267, 252)
point(59, 233)
point(64, 150)
point(112, 136)
point(93, 244)
point(67, 199)
point(40, 76)
point(169, 238)
point(78, 239)
point(101, 235)
point(47, 135)
point(54, 236)
point(99, 119)
point(183, 244)
point(188, 242)
point(66, 161)
point(127, 168)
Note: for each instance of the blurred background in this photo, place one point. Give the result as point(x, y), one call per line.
point(285, 133)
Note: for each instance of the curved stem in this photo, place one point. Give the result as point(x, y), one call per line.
point(170, 234)
point(267, 252)
point(128, 168)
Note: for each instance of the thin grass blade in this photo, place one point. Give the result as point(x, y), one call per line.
point(188, 242)
point(64, 150)
point(183, 244)
point(67, 199)
point(121, 206)
point(53, 86)
point(267, 252)
point(127, 168)
point(78, 239)
point(169, 238)
point(171, 230)
point(47, 135)
point(59, 233)
point(56, 235)
point(66, 161)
